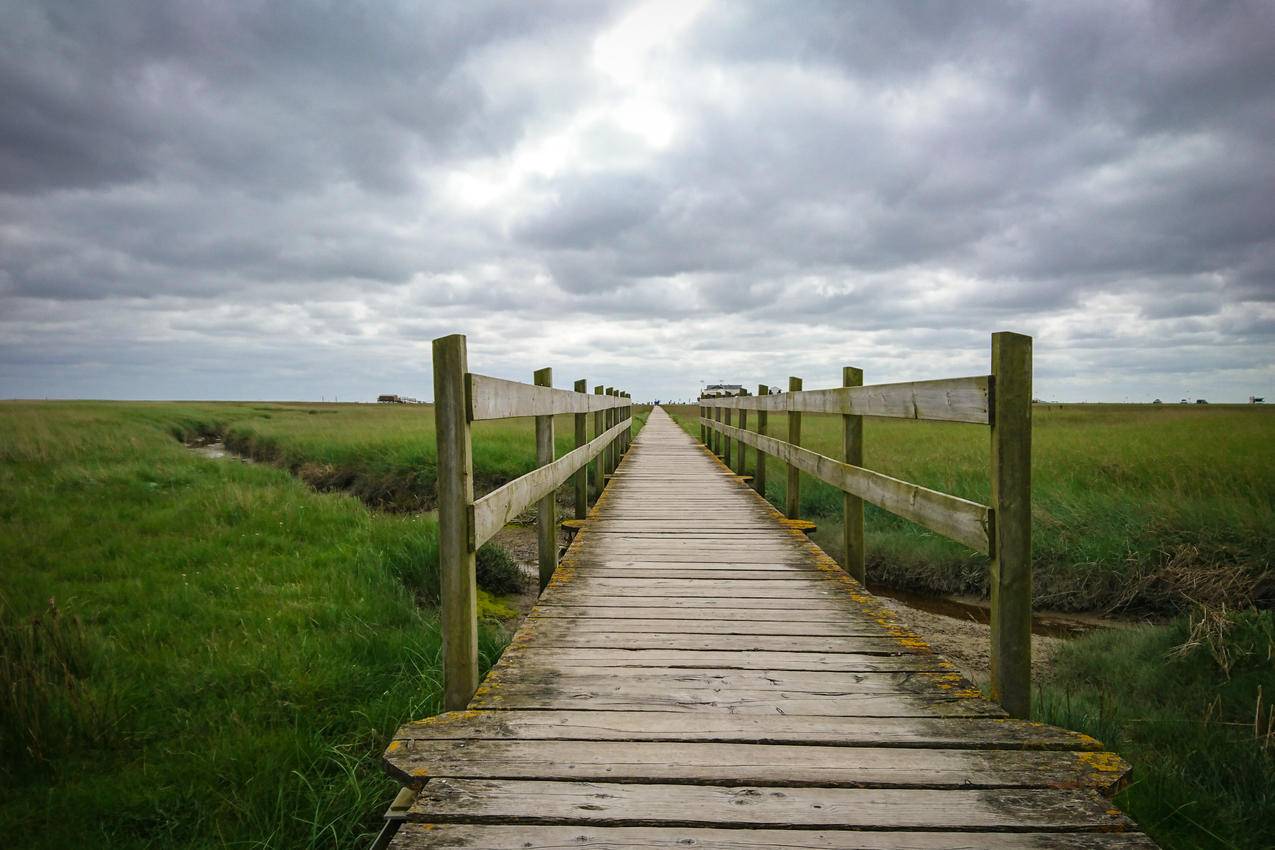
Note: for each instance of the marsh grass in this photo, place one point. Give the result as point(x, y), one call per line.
point(1135, 507)
point(1188, 705)
point(226, 650)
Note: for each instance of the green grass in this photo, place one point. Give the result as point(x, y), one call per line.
point(1196, 723)
point(1134, 506)
point(204, 653)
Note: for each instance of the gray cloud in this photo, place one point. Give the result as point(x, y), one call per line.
point(279, 200)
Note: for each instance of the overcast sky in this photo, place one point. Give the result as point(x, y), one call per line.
point(277, 200)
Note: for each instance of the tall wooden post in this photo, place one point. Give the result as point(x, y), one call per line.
point(546, 519)
point(703, 429)
point(792, 499)
point(582, 437)
point(741, 447)
point(852, 506)
point(717, 435)
point(599, 427)
point(627, 412)
point(759, 474)
point(1011, 577)
point(612, 419)
point(458, 600)
point(726, 441)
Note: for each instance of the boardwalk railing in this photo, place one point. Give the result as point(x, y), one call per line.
point(461, 398)
point(1002, 530)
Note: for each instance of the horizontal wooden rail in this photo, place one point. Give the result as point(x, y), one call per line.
point(497, 398)
point(962, 520)
point(493, 511)
point(948, 400)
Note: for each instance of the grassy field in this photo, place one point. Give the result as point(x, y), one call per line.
point(205, 653)
point(1139, 507)
point(1153, 509)
point(1188, 704)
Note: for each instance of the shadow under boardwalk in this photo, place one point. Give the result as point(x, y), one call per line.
point(699, 674)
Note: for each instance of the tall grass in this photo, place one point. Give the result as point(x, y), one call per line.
point(227, 650)
point(1134, 506)
point(1188, 704)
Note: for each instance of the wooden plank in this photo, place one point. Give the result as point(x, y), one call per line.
point(771, 765)
point(699, 660)
point(701, 621)
point(1011, 574)
point(493, 511)
point(949, 400)
point(705, 640)
point(458, 601)
point(962, 520)
point(520, 672)
point(437, 836)
point(599, 803)
point(624, 696)
point(497, 398)
point(924, 732)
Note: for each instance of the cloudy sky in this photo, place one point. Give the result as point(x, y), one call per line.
point(290, 200)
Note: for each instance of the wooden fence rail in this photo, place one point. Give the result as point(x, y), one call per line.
point(464, 524)
point(1001, 400)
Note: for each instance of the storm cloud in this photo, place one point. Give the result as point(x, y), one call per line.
point(289, 200)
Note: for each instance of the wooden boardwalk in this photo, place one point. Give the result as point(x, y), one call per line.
point(700, 675)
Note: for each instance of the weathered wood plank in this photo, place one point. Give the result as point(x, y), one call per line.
point(950, 400)
point(497, 398)
point(514, 801)
point(447, 836)
point(960, 519)
point(949, 733)
point(719, 660)
point(773, 765)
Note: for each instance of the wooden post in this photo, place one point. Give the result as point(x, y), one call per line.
point(627, 413)
point(792, 499)
point(741, 448)
point(717, 435)
point(599, 426)
point(458, 601)
point(582, 437)
point(726, 441)
point(852, 506)
point(1011, 577)
point(611, 422)
point(546, 519)
point(703, 429)
point(759, 473)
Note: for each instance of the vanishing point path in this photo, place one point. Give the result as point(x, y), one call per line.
point(700, 675)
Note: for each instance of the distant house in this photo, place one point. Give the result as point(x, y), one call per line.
point(1184, 401)
point(1256, 399)
point(1157, 401)
point(390, 399)
point(1201, 401)
point(722, 390)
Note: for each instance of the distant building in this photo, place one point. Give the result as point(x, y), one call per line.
point(1256, 399)
point(1157, 401)
point(1201, 401)
point(390, 398)
point(722, 390)
point(1184, 401)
